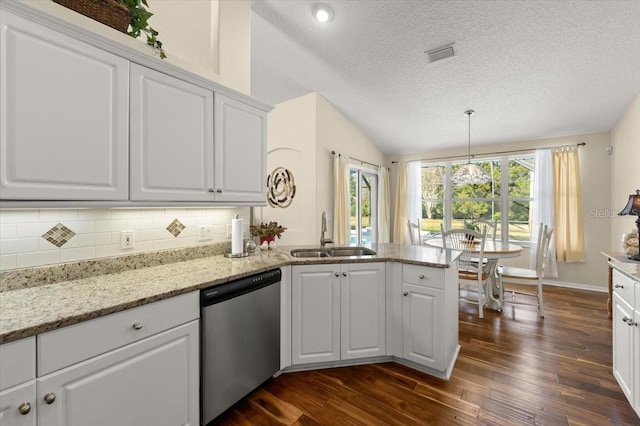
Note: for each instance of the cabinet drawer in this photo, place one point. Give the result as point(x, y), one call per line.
point(422, 275)
point(17, 362)
point(61, 348)
point(623, 286)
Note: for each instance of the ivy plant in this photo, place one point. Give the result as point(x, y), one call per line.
point(139, 24)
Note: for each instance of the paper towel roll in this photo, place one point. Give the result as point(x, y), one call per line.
point(236, 235)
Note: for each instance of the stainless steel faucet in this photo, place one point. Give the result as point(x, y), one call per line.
point(323, 229)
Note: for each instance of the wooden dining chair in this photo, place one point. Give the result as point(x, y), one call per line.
point(472, 276)
point(490, 226)
point(530, 280)
point(415, 232)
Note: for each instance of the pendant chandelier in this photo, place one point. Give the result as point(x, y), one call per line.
point(470, 173)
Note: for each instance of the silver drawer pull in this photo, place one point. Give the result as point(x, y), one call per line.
point(137, 325)
point(24, 408)
point(405, 294)
point(49, 398)
point(421, 277)
point(618, 286)
point(626, 319)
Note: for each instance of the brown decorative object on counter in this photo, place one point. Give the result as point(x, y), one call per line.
point(109, 12)
point(633, 209)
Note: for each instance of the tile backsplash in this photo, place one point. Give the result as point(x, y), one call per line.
point(50, 236)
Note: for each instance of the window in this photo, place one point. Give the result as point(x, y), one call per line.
point(364, 206)
point(432, 188)
point(454, 205)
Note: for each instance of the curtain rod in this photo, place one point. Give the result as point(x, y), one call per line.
point(488, 153)
point(357, 159)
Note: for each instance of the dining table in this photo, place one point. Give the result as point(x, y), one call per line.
point(494, 251)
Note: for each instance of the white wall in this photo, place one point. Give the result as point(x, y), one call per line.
point(625, 170)
point(336, 133)
point(98, 232)
point(595, 167)
point(292, 145)
point(302, 133)
point(216, 44)
point(188, 31)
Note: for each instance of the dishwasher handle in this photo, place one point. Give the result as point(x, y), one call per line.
point(220, 293)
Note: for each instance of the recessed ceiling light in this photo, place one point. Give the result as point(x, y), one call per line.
point(322, 12)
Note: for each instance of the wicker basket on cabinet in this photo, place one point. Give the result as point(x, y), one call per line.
point(109, 12)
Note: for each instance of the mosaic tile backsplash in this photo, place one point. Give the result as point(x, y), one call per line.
point(51, 236)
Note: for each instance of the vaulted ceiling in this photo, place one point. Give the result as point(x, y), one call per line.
point(530, 69)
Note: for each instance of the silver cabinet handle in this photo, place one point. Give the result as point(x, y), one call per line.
point(211, 190)
point(219, 191)
point(618, 286)
point(344, 274)
point(49, 398)
point(24, 408)
point(337, 274)
point(626, 319)
point(405, 293)
point(421, 277)
point(137, 325)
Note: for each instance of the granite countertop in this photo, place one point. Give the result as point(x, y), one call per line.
point(31, 310)
point(620, 262)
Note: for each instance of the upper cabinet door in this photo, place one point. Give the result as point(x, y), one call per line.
point(171, 138)
point(241, 152)
point(63, 119)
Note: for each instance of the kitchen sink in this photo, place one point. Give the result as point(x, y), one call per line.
point(309, 253)
point(333, 252)
point(350, 251)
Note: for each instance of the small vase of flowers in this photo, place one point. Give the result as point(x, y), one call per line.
point(267, 231)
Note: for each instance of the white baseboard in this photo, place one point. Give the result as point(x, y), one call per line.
point(577, 286)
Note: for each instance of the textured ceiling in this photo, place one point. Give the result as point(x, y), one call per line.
point(530, 69)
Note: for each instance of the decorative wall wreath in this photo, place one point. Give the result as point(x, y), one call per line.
point(281, 188)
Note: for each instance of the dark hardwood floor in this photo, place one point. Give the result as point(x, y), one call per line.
point(513, 369)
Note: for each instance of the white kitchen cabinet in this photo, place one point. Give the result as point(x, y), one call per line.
point(429, 316)
point(150, 382)
point(422, 325)
point(17, 405)
point(172, 155)
point(64, 116)
point(338, 312)
point(315, 313)
point(135, 367)
point(362, 313)
point(17, 383)
point(626, 336)
point(636, 351)
point(240, 151)
point(622, 344)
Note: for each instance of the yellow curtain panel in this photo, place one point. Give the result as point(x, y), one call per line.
point(569, 222)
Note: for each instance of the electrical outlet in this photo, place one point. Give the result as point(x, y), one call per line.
point(205, 233)
point(126, 239)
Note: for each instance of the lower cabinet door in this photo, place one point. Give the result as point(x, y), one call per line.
point(151, 382)
point(636, 358)
point(622, 344)
point(17, 405)
point(422, 318)
point(315, 313)
point(363, 319)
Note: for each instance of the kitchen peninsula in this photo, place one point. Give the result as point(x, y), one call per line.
point(413, 297)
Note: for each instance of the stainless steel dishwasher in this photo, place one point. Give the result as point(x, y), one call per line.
point(240, 340)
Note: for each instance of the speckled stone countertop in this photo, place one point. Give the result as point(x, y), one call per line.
point(620, 262)
point(36, 309)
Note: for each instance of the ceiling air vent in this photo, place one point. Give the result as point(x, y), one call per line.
point(440, 53)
